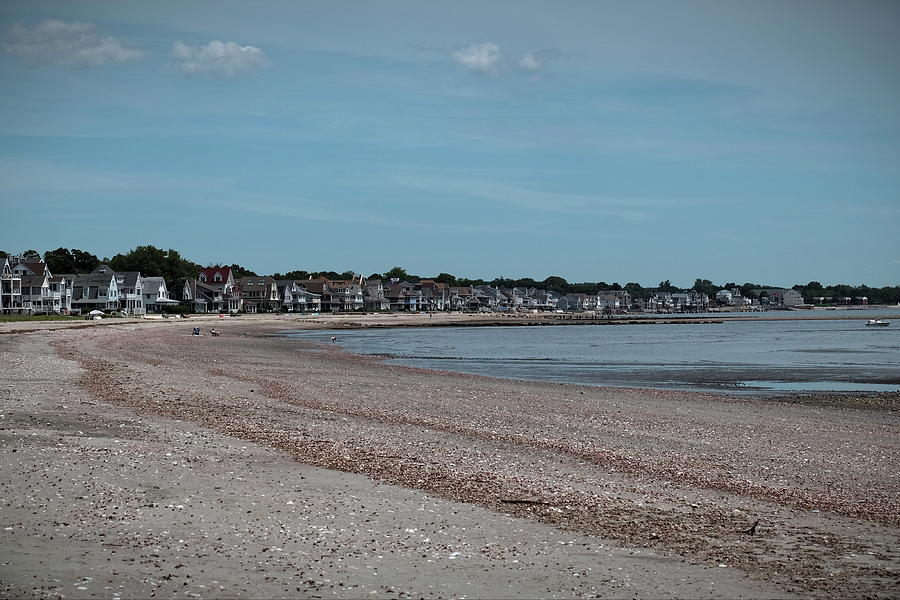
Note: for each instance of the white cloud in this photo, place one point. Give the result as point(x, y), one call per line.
point(53, 42)
point(530, 62)
point(481, 58)
point(225, 59)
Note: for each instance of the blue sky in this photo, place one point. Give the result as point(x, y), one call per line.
point(613, 141)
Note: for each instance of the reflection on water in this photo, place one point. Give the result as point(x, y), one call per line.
point(734, 356)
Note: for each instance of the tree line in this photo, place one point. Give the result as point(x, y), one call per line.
point(170, 265)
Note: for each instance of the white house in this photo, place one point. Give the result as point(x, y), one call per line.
point(156, 294)
point(95, 291)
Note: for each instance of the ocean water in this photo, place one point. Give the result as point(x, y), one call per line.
point(740, 357)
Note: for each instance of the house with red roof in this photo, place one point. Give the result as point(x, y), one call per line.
point(223, 294)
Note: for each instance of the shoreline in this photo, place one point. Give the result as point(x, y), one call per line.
point(397, 320)
point(641, 469)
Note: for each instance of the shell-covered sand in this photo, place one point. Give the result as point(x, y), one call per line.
point(470, 486)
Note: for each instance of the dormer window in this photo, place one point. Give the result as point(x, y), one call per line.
point(217, 277)
point(203, 277)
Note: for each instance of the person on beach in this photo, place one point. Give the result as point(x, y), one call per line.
point(333, 339)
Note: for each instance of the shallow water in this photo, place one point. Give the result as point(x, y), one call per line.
point(735, 356)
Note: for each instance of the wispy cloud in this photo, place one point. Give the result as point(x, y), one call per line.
point(217, 58)
point(305, 210)
point(31, 176)
point(629, 209)
point(53, 42)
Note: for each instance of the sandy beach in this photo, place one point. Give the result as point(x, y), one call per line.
point(141, 461)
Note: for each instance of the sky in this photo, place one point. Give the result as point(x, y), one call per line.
point(596, 141)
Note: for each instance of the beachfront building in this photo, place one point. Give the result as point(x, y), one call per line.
point(39, 291)
point(660, 302)
point(259, 294)
point(61, 293)
point(95, 291)
point(732, 297)
point(780, 297)
point(577, 302)
point(404, 297)
point(435, 295)
point(463, 298)
point(689, 301)
point(614, 300)
point(296, 298)
point(219, 283)
point(10, 288)
point(536, 299)
point(199, 297)
point(337, 295)
point(490, 297)
point(346, 295)
point(131, 290)
point(374, 297)
point(156, 294)
point(35, 293)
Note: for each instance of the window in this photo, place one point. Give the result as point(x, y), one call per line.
point(217, 277)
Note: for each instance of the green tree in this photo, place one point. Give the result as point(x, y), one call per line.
point(239, 271)
point(148, 260)
point(666, 286)
point(446, 278)
point(31, 255)
point(705, 286)
point(557, 284)
point(60, 261)
point(637, 290)
point(396, 273)
point(151, 261)
point(292, 275)
point(85, 262)
point(747, 289)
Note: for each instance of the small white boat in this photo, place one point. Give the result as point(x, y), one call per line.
point(877, 323)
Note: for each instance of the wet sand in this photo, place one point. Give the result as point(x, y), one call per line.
point(152, 461)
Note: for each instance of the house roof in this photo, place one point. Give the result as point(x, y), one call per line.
point(154, 282)
point(202, 287)
point(36, 267)
point(129, 278)
point(254, 279)
point(33, 280)
point(210, 273)
point(94, 279)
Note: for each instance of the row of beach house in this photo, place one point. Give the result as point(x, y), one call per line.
point(29, 287)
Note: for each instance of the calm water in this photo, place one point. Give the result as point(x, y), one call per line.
point(735, 356)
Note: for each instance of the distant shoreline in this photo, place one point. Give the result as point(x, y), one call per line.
point(397, 320)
